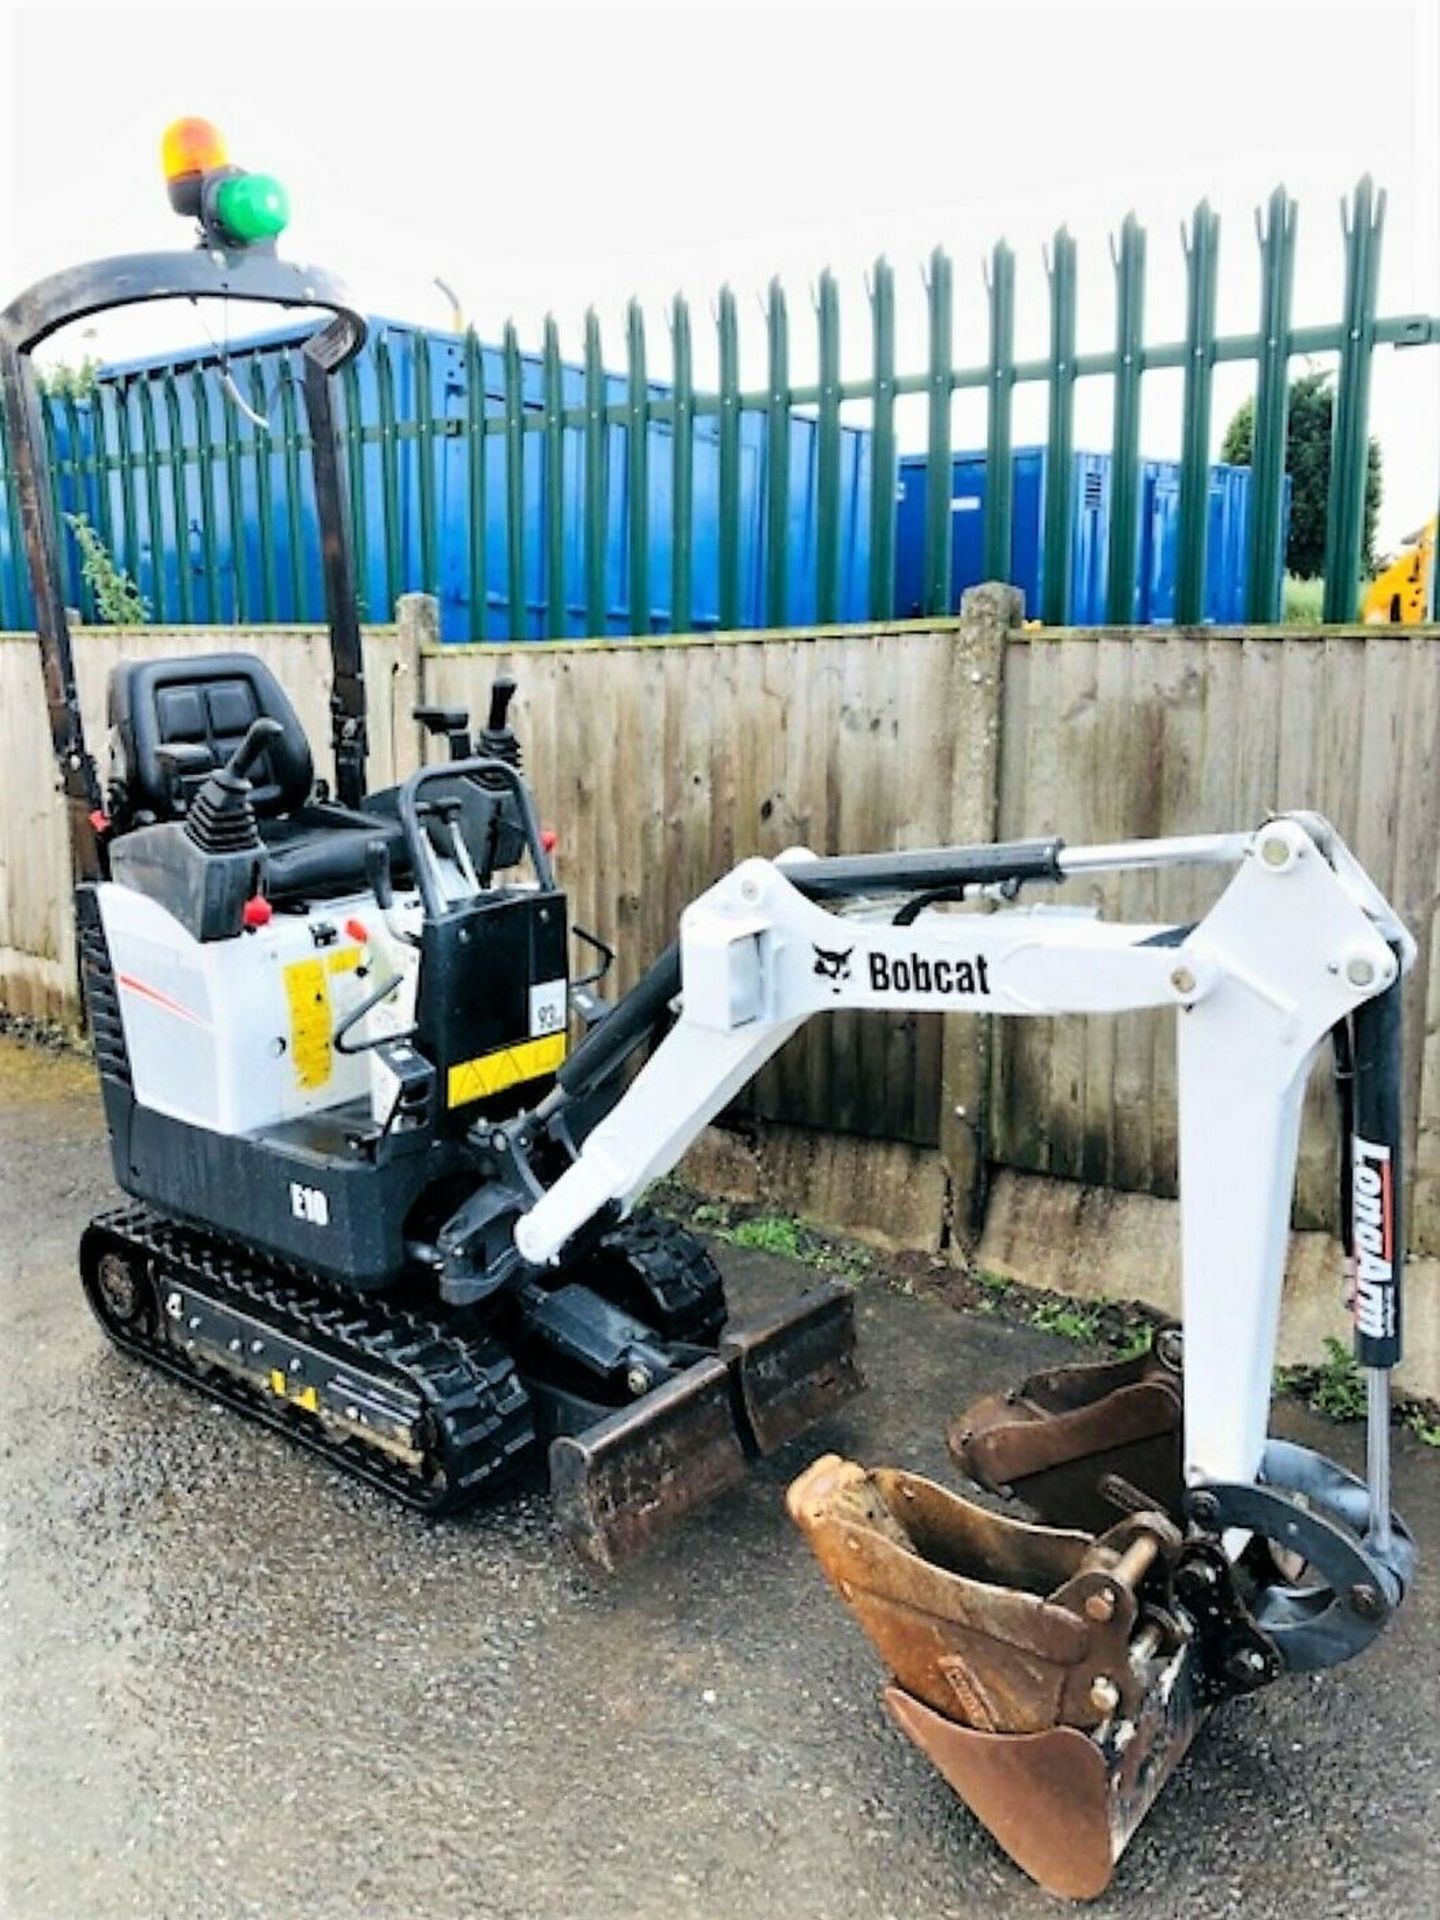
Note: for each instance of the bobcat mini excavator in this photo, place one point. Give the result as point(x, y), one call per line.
point(379, 1203)
point(323, 1023)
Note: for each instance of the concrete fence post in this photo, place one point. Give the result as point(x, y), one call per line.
point(988, 614)
point(417, 630)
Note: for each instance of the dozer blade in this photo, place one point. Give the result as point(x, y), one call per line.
point(621, 1481)
point(794, 1365)
point(1063, 1804)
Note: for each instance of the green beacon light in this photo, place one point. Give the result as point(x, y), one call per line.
point(252, 207)
point(234, 208)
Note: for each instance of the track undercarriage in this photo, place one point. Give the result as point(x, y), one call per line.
point(436, 1405)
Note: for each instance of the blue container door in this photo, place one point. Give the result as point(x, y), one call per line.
point(1227, 564)
point(967, 527)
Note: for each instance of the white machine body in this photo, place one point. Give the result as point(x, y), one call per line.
point(238, 1035)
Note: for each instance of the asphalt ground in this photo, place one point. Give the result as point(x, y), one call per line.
point(233, 1683)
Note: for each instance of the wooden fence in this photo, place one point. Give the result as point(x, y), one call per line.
point(1111, 735)
point(661, 763)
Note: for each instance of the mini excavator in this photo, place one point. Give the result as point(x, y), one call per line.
point(378, 1200)
point(332, 1032)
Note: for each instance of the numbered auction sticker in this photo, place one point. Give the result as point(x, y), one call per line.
point(547, 1008)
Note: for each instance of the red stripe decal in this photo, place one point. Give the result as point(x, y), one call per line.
point(161, 1000)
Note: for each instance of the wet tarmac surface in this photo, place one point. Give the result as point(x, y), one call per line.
point(233, 1683)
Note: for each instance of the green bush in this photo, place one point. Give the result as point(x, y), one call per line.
point(1304, 601)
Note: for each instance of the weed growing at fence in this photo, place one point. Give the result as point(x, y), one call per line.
point(118, 601)
point(781, 1234)
point(1336, 1387)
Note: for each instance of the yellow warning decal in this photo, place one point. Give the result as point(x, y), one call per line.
point(308, 992)
point(303, 1396)
point(491, 1073)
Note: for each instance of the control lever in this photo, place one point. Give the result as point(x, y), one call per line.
point(444, 815)
point(182, 758)
point(497, 740)
point(258, 736)
point(377, 874)
point(221, 819)
point(501, 694)
point(452, 722)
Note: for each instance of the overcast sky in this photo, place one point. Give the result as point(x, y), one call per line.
point(548, 157)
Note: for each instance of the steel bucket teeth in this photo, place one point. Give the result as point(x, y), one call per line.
point(623, 1480)
point(793, 1365)
point(1027, 1661)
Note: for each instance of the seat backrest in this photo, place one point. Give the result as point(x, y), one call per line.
point(207, 700)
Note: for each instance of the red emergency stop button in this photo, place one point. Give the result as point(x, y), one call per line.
point(257, 911)
point(358, 930)
point(549, 839)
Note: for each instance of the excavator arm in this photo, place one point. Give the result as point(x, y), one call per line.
point(1299, 940)
point(1187, 1555)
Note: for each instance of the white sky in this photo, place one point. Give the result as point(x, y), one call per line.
point(544, 157)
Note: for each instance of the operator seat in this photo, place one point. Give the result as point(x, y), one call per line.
point(316, 849)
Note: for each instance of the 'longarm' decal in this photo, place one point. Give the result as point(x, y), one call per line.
point(1373, 1188)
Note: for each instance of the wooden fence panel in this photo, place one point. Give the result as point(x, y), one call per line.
point(660, 766)
point(1114, 736)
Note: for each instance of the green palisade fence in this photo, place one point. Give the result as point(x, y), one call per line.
point(169, 464)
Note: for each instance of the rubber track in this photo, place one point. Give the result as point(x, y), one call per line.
point(686, 1296)
point(479, 1416)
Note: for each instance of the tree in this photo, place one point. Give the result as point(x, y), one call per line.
point(1310, 419)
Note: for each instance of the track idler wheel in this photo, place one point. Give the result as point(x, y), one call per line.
point(123, 1292)
point(1036, 1666)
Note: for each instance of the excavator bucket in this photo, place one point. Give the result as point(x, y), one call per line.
point(1063, 1804)
point(621, 1481)
point(1078, 1443)
point(1034, 1665)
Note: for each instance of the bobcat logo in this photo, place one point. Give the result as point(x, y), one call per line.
point(834, 967)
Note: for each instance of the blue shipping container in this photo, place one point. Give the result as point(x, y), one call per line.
point(233, 474)
point(1227, 568)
